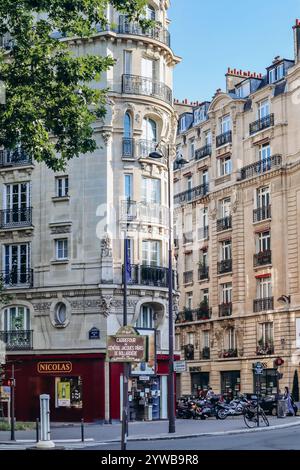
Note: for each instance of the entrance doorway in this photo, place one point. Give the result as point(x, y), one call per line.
point(230, 383)
point(199, 381)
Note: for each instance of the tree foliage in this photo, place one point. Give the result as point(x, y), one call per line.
point(295, 391)
point(50, 105)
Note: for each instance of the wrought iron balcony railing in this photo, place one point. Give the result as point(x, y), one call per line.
point(156, 276)
point(203, 233)
point(203, 273)
point(225, 138)
point(203, 152)
point(188, 277)
point(19, 340)
point(225, 266)
point(261, 124)
point(158, 32)
point(260, 305)
point(15, 218)
point(129, 210)
point(265, 348)
point(262, 213)
point(189, 352)
point(145, 147)
point(224, 224)
point(225, 310)
point(128, 148)
point(143, 212)
point(193, 315)
point(137, 85)
point(262, 258)
point(192, 194)
point(205, 353)
point(16, 157)
point(228, 353)
point(17, 278)
point(260, 167)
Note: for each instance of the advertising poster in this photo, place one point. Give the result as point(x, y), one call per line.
point(149, 367)
point(64, 394)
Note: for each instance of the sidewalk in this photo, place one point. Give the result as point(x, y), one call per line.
point(144, 431)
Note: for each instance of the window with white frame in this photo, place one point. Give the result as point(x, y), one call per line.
point(127, 62)
point(204, 295)
point(225, 208)
point(263, 241)
point(276, 73)
point(226, 293)
point(16, 196)
point(207, 137)
point(263, 197)
point(203, 258)
point(225, 250)
point(264, 152)
point(16, 262)
point(265, 333)
point(151, 190)
point(183, 123)
point(190, 338)
point(62, 186)
point(189, 300)
point(243, 90)
point(225, 166)
point(263, 109)
point(146, 317)
point(62, 249)
point(204, 177)
point(264, 287)
point(200, 114)
point(225, 124)
point(188, 262)
point(16, 318)
point(151, 253)
point(205, 339)
point(230, 339)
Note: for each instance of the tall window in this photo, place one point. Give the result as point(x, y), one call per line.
point(151, 252)
point(16, 319)
point(61, 249)
point(16, 263)
point(127, 62)
point(264, 152)
point(189, 300)
point(146, 317)
point(128, 186)
point(230, 339)
point(263, 241)
point(149, 131)
point(205, 296)
point(150, 13)
point(62, 186)
point(191, 149)
point(188, 262)
point(203, 258)
point(263, 197)
point(208, 138)
point(225, 166)
point(225, 250)
point(151, 190)
point(226, 293)
point(263, 109)
point(204, 177)
point(264, 287)
point(127, 126)
point(225, 208)
point(205, 339)
point(266, 333)
point(225, 124)
point(277, 73)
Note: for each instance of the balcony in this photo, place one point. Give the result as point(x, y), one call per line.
point(203, 233)
point(262, 258)
point(20, 340)
point(261, 124)
point(225, 266)
point(203, 273)
point(16, 218)
point(155, 276)
point(260, 305)
point(189, 353)
point(205, 354)
point(16, 157)
point(265, 348)
point(191, 194)
point(17, 278)
point(199, 314)
point(145, 147)
point(128, 148)
point(262, 213)
point(225, 310)
point(143, 212)
point(133, 27)
point(188, 277)
point(128, 211)
point(225, 138)
point(261, 167)
point(137, 85)
point(203, 152)
point(228, 353)
point(224, 224)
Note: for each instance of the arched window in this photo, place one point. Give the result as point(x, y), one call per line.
point(127, 126)
point(16, 319)
point(60, 314)
point(149, 130)
point(146, 317)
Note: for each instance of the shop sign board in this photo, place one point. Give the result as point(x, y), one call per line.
point(126, 346)
point(54, 367)
point(179, 367)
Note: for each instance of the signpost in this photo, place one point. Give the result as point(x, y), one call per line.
point(258, 370)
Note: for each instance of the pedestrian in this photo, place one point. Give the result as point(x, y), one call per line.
point(210, 393)
point(289, 401)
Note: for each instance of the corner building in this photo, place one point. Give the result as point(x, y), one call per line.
point(62, 260)
point(237, 231)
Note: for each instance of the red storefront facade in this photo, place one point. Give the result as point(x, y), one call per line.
point(75, 383)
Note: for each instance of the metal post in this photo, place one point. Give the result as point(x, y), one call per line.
point(45, 441)
point(12, 404)
point(82, 430)
point(125, 369)
point(170, 298)
point(258, 389)
point(37, 429)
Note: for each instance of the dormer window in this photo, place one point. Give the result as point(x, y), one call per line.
point(276, 73)
point(243, 90)
point(200, 114)
point(185, 121)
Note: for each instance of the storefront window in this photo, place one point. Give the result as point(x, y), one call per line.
point(266, 383)
point(68, 392)
point(230, 384)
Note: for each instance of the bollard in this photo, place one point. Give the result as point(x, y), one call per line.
point(37, 429)
point(82, 430)
point(45, 441)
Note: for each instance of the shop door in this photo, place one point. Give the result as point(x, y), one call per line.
point(199, 381)
point(155, 398)
point(230, 383)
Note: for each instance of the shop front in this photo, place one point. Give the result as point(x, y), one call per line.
point(230, 383)
point(199, 382)
point(265, 383)
point(75, 384)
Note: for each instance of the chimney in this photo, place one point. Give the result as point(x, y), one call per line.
point(297, 40)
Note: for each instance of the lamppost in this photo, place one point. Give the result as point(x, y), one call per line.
point(171, 395)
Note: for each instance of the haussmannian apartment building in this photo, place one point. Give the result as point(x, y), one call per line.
point(62, 260)
point(237, 231)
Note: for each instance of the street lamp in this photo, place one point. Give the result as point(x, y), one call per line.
point(159, 155)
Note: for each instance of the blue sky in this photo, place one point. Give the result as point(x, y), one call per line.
point(211, 36)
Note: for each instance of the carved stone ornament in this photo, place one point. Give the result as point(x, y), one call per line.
point(106, 250)
point(106, 135)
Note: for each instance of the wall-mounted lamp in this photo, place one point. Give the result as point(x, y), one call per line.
point(284, 299)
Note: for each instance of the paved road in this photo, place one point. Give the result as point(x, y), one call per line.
point(281, 439)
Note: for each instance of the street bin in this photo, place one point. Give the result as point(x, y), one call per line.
point(148, 412)
point(281, 409)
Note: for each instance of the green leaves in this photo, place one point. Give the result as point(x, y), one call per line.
point(50, 103)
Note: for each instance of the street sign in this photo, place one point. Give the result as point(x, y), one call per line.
point(126, 346)
point(179, 367)
point(258, 368)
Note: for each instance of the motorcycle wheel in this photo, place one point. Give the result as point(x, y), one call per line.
point(221, 414)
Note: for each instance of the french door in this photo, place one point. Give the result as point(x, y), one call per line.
point(17, 264)
point(16, 203)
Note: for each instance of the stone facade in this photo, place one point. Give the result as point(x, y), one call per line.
point(237, 231)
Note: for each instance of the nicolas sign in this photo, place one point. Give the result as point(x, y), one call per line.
point(126, 346)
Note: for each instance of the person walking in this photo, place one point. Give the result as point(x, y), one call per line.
point(289, 401)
